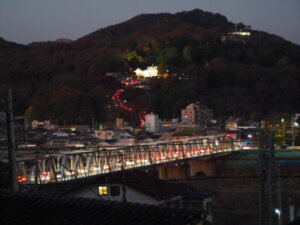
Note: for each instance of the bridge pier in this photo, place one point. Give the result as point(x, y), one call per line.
point(192, 168)
point(208, 167)
point(173, 172)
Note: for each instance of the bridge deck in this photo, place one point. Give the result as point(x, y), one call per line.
point(72, 165)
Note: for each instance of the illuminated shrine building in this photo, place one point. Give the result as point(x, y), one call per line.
point(241, 33)
point(151, 71)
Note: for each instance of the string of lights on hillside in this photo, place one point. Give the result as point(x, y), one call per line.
point(119, 103)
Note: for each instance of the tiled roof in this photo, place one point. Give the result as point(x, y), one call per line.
point(186, 122)
point(42, 209)
point(189, 132)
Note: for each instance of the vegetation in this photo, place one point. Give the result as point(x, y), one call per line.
point(67, 82)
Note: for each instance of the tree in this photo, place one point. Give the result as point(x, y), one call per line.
point(187, 53)
point(161, 69)
point(169, 55)
point(30, 114)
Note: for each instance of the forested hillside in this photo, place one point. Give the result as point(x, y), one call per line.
point(66, 82)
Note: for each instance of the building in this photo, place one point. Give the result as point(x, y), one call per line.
point(152, 123)
point(106, 134)
point(43, 124)
point(197, 113)
point(231, 124)
point(151, 71)
point(115, 137)
point(188, 132)
point(119, 123)
point(236, 36)
point(136, 186)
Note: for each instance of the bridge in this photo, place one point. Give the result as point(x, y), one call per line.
point(59, 167)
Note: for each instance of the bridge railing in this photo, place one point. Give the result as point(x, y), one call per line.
point(55, 168)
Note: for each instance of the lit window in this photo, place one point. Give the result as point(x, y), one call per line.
point(102, 190)
point(115, 191)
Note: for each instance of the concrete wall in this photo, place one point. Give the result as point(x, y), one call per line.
point(193, 168)
point(172, 172)
point(208, 167)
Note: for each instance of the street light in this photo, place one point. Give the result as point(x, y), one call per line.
point(294, 124)
point(282, 121)
point(278, 212)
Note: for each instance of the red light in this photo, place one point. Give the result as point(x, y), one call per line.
point(208, 149)
point(21, 179)
point(118, 102)
point(45, 174)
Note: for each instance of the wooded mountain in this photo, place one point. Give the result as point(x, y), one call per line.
point(65, 81)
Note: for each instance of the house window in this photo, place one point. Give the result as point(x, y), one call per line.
point(115, 191)
point(102, 190)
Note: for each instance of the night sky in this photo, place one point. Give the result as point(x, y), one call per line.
point(25, 21)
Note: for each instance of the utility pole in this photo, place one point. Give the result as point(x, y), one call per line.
point(11, 142)
point(262, 177)
point(124, 198)
point(271, 162)
point(280, 215)
point(266, 172)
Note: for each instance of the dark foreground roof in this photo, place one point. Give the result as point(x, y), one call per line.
point(296, 222)
point(43, 209)
point(136, 179)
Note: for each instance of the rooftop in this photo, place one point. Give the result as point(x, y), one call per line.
point(35, 208)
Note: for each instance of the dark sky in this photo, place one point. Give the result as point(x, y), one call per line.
point(25, 21)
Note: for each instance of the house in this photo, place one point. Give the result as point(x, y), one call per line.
point(58, 141)
point(37, 136)
point(134, 186)
point(106, 134)
point(188, 132)
point(79, 128)
point(42, 124)
point(31, 208)
point(166, 136)
point(87, 138)
point(185, 124)
point(122, 137)
point(59, 138)
point(146, 137)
